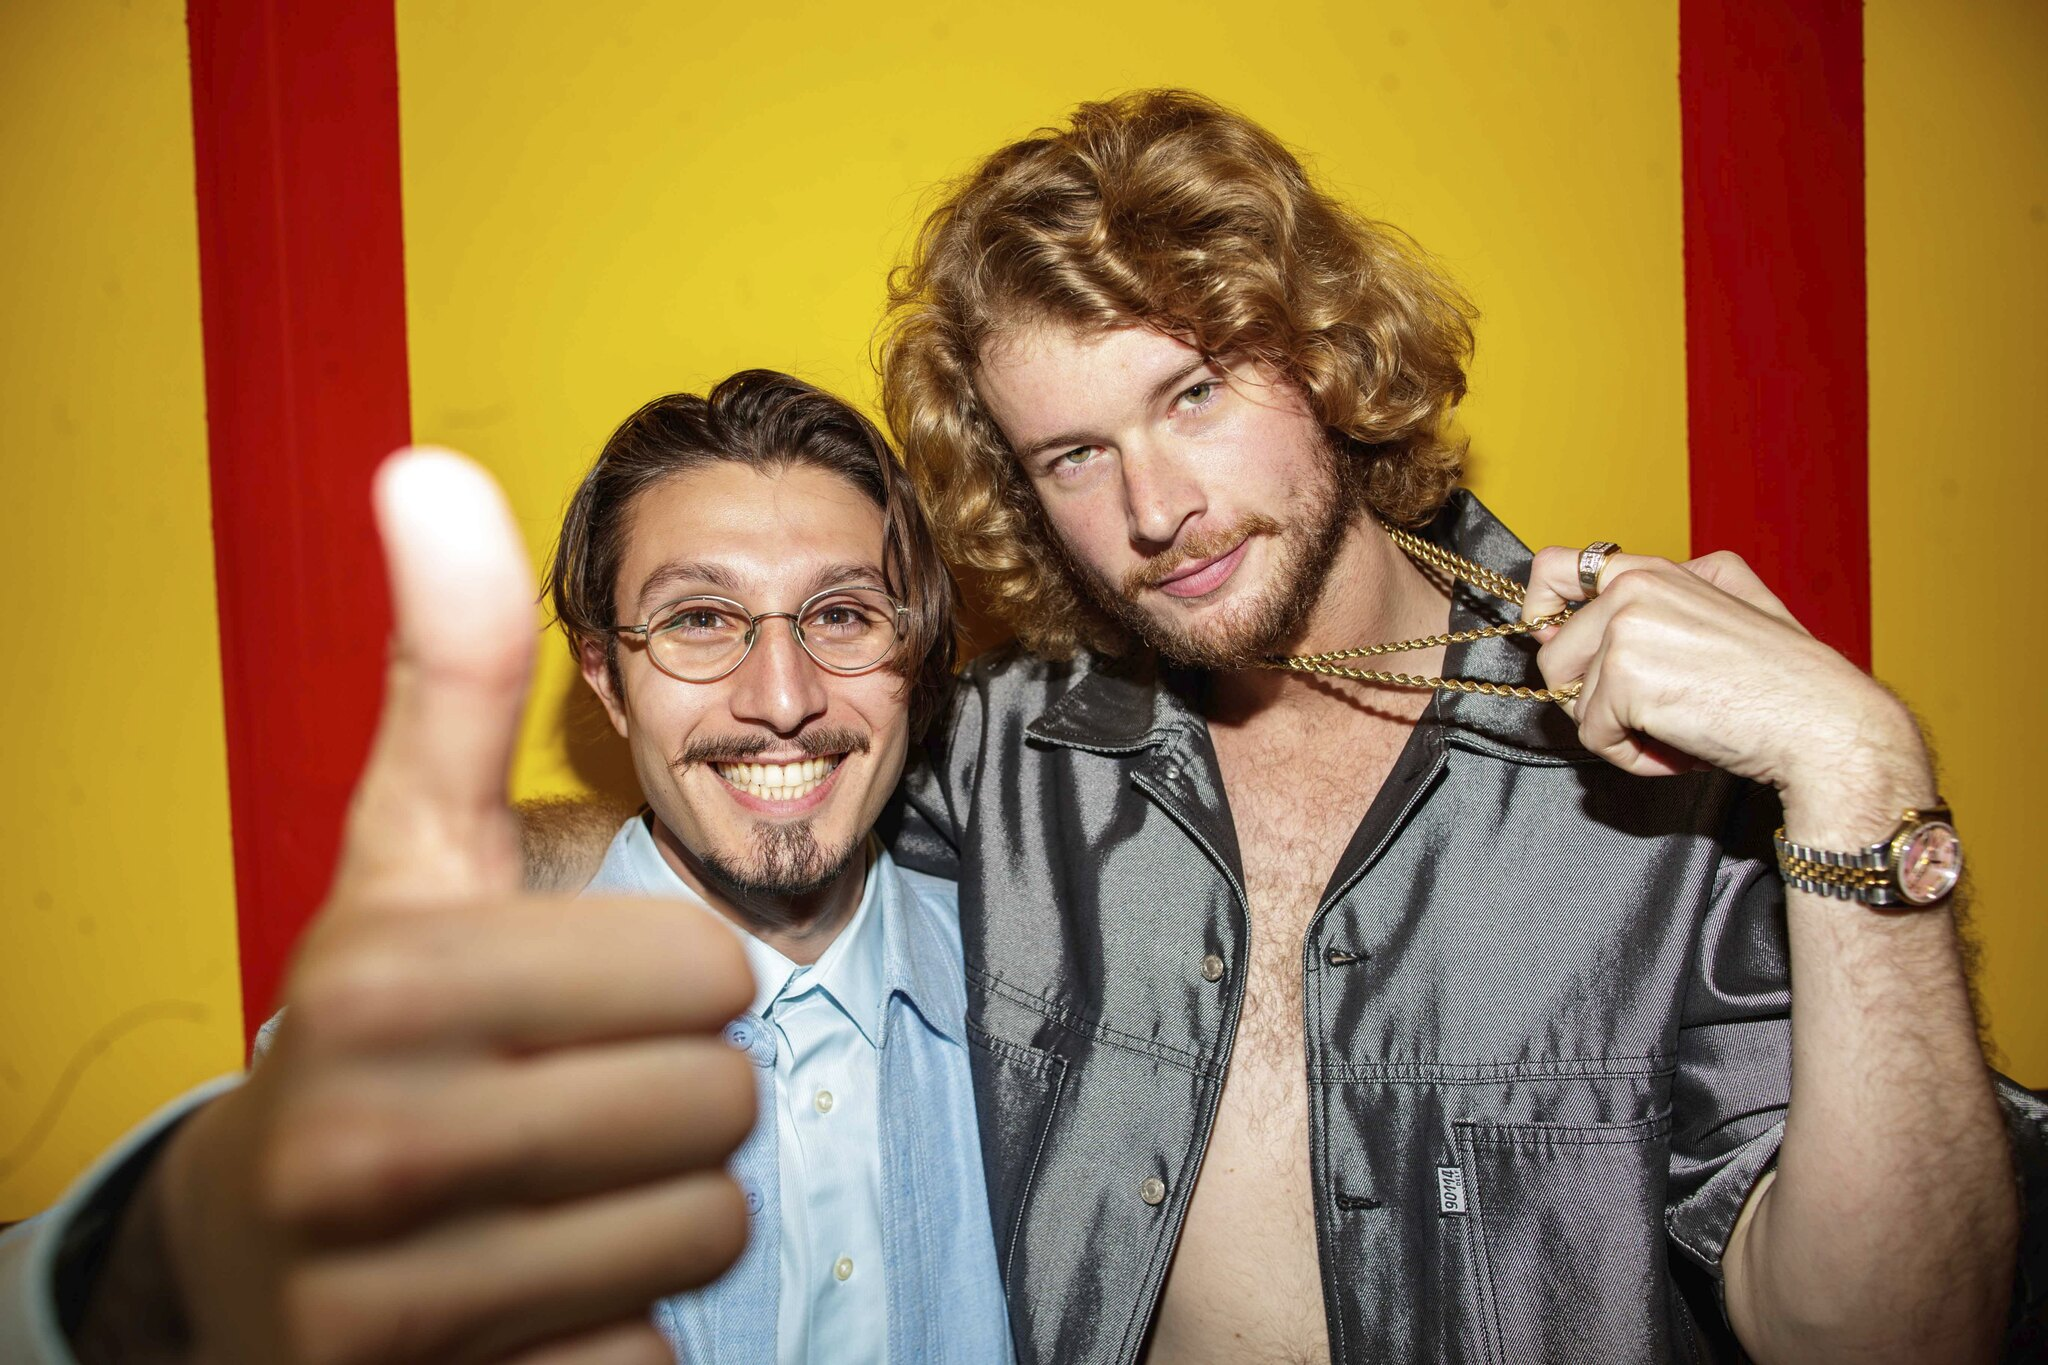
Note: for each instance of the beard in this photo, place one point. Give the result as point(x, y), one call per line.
point(1245, 632)
point(779, 860)
point(782, 862)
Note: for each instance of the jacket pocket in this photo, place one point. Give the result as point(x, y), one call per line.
point(1016, 1089)
point(1564, 1229)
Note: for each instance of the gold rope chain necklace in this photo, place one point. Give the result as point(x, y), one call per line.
point(1457, 567)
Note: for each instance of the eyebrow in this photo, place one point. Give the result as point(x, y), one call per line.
point(681, 572)
point(1157, 394)
point(845, 575)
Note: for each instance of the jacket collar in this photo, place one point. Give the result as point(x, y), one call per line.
point(1136, 702)
point(921, 956)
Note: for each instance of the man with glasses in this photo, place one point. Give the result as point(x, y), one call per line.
point(752, 594)
point(491, 1126)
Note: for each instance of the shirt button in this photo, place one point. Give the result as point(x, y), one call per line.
point(739, 1035)
point(753, 1201)
point(1153, 1190)
point(1212, 968)
point(842, 1269)
point(824, 1106)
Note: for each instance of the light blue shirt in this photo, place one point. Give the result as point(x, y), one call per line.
point(870, 1237)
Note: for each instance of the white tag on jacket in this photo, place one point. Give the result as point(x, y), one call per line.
point(1450, 1189)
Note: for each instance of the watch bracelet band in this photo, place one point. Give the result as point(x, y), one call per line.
point(1863, 876)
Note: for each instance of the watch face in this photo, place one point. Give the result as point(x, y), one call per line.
point(1930, 863)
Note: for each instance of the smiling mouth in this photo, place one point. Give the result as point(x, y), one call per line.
point(779, 781)
point(1203, 576)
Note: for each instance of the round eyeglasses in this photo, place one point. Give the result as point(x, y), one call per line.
point(701, 639)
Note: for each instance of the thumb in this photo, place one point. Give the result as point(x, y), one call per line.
point(429, 819)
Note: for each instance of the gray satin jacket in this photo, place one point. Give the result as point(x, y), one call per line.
point(1546, 1011)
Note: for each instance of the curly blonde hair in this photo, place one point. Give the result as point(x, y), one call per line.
point(1161, 208)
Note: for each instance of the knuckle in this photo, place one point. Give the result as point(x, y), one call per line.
point(729, 981)
point(1629, 588)
point(343, 1158)
point(646, 1348)
point(1618, 663)
point(364, 1314)
point(362, 995)
point(732, 1098)
point(293, 1188)
point(322, 1323)
point(720, 1228)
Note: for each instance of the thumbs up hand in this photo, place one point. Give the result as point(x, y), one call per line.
point(493, 1127)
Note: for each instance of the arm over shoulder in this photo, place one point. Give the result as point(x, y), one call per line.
point(48, 1264)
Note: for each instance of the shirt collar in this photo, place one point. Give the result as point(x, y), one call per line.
point(850, 972)
point(891, 946)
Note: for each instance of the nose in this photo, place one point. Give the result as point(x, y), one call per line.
point(779, 685)
point(1161, 494)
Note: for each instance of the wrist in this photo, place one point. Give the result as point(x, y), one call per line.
point(132, 1313)
point(1850, 795)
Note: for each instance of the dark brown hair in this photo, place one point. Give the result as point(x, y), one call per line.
point(1161, 208)
point(767, 421)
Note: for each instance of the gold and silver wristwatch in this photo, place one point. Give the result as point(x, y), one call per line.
point(1918, 865)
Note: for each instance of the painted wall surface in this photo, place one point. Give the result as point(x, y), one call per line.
point(1957, 195)
point(118, 980)
point(627, 199)
point(621, 199)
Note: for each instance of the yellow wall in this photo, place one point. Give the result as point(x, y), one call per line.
point(1957, 197)
point(620, 199)
point(118, 981)
point(610, 203)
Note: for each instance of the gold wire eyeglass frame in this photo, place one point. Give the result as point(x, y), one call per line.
point(897, 630)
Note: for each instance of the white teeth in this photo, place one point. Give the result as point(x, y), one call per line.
point(778, 781)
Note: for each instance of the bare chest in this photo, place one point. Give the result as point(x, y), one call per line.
point(1246, 1282)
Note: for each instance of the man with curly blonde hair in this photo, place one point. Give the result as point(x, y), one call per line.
point(1381, 940)
point(1437, 1006)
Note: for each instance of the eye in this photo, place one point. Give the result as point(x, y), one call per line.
point(695, 619)
point(1070, 462)
point(853, 613)
point(1198, 396)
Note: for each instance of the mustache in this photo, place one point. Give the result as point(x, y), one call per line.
point(1200, 545)
point(739, 748)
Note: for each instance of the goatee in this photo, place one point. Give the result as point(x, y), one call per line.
point(785, 862)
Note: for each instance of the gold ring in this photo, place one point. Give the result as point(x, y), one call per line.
point(1592, 560)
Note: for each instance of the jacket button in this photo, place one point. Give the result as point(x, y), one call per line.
point(1153, 1191)
point(1212, 968)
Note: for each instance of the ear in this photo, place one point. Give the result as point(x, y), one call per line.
point(591, 660)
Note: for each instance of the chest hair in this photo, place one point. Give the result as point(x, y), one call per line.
point(1297, 794)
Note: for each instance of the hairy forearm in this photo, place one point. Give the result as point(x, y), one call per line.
point(1889, 1232)
point(562, 840)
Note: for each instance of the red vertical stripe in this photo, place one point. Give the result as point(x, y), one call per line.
point(295, 124)
point(1776, 370)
